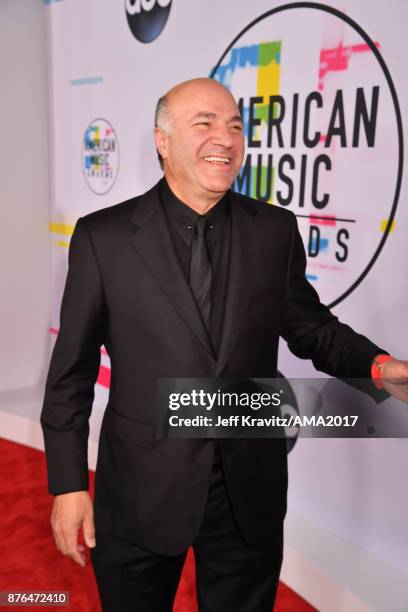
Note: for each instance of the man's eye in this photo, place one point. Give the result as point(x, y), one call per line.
point(202, 123)
point(237, 127)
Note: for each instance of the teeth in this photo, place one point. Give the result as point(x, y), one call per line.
point(215, 158)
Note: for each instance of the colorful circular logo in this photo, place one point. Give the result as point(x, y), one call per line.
point(100, 156)
point(147, 18)
point(323, 133)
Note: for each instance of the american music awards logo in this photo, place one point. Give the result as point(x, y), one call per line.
point(100, 156)
point(323, 135)
point(147, 18)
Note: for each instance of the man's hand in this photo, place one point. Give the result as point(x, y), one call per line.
point(394, 378)
point(69, 512)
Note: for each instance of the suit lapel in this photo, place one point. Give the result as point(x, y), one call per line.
point(244, 257)
point(153, 243)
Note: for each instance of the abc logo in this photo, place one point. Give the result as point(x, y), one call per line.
point(147, 18)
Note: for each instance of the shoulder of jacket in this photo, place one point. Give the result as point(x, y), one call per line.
point(110, 213)
point(263, 208)
point(117, 214)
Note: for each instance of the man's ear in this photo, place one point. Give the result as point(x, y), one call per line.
point(160, 138)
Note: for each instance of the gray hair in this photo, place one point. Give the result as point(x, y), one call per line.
point(161, 120)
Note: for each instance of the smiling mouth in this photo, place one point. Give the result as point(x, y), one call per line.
point(217, 159)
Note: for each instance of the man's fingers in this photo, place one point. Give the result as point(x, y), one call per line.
point(79, 558)
point(57, 540)
point(72, 548)
point(67, 539)
point(70, 511)
point(58, 535)
point(89, 530)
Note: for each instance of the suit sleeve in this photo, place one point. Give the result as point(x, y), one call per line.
point(74, 366)
point(313, 332)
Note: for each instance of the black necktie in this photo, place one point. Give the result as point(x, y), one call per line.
point(200, 271)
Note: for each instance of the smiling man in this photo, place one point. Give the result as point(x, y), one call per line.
point(199, 136)
point(188, 280)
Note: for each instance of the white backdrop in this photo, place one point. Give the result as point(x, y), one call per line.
point(24, 350)
point(104, 87)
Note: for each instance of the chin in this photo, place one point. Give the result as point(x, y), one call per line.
point(218, 186)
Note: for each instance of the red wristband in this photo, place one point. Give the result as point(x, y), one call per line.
point(376, 369)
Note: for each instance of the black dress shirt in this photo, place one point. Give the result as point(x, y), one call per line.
point(181, 221)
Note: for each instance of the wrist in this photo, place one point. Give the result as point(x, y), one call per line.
point(377, 369)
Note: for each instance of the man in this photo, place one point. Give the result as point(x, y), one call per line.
point(193, 281)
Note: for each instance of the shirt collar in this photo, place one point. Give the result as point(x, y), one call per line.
point(183, 218)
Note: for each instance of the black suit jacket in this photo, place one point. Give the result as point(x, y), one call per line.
point(125, 289)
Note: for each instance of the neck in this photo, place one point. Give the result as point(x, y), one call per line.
point(201, 204)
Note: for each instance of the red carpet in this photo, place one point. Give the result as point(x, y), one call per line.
point(29, 559)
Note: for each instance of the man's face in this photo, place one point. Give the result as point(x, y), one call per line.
point(205, 147)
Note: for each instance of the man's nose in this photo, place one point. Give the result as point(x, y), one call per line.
point(222, 136)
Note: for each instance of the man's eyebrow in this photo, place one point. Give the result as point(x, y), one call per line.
point(208, 115)
point(204, 115)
